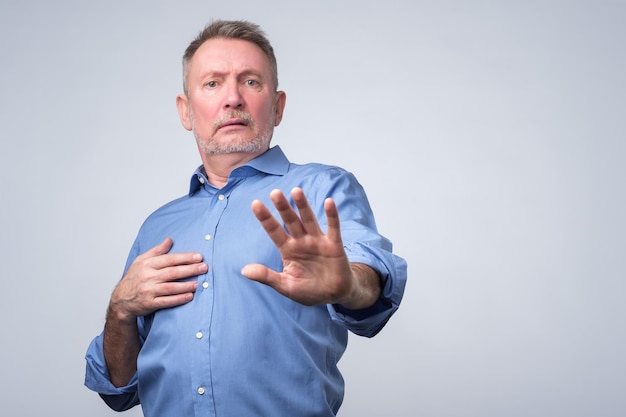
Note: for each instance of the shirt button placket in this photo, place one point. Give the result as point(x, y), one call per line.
point(208, 238)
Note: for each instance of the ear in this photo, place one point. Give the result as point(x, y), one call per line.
point(182, 104)
point(281, 100)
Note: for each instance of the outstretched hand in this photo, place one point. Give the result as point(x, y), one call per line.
point(316, 269)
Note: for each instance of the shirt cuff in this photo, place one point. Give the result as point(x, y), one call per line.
point(96, 372)
point(369, 321)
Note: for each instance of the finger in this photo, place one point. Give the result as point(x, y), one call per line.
point(176, 288)
point(262, 274)
point(287, 213)
point(272, 227)
point(175, 259)
point(332, 218)
point(179, 272)
point(160, 249)
point(172, 300)
point(158, 257)
point(281, 284)
point(307, 216)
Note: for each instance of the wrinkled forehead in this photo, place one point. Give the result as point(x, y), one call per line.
point(222, 54)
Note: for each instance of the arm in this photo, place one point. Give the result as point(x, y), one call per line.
point(368, 287)
point(121, 348)
point(150, 284)
point(316, 269)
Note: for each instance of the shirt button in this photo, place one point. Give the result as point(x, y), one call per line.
point(199, 335)
point(221, 197)
point(205, 285)
point(201, 390)
point(201, 180)
point(207, 237)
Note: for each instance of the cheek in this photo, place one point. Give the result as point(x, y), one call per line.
point(268, 115)
point(201, 117)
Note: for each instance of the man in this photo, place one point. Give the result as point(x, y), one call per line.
point(222, 309)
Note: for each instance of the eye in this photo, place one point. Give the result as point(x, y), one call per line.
point(211, 84)
point(252, 83)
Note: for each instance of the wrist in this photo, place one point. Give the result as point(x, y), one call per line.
point(120, 316)
point(366, 289)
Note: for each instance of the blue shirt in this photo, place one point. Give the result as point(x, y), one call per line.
point(240, 348)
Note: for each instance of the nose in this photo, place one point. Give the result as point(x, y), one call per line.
point(233, 98)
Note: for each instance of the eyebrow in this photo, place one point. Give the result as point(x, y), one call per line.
point(250, 72)
point(222, 74)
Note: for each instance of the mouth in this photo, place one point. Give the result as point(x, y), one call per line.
point(233, 123)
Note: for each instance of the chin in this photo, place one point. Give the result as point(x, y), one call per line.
point(256, 145)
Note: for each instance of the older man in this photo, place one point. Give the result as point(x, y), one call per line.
point(222, 309)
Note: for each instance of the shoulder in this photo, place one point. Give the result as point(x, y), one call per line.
point(169, 213)
point(320, 181)
point(317, 170)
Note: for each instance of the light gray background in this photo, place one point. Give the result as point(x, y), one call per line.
point(490, 137)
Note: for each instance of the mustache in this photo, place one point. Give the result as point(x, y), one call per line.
point(233, 114)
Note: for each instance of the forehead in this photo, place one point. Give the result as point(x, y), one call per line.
point(221, 54)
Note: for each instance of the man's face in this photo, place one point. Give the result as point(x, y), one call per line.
point(231, 105)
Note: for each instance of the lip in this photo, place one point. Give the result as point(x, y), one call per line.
point(233, 124)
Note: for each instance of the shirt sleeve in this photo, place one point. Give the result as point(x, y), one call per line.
point(96, 373)
point(97, 379)
point(364, 244)
point(393, 272)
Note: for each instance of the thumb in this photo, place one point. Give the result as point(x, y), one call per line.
point(260, 273)
point(164, 247)
point(160, 249)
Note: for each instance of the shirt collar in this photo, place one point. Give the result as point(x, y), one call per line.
point(272, 162)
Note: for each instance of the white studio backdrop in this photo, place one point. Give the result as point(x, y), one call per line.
point(489, 135)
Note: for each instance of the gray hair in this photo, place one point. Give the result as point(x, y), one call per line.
point(231, 29)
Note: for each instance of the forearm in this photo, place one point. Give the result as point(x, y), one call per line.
point(121, 348)
point(366, 289)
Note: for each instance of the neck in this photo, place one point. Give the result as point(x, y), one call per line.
point(219, 167)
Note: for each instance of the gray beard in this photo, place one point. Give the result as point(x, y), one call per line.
point(257, 144)
point(210, 148)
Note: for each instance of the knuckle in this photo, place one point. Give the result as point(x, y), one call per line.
point(171, 274)
point(169, 288)
point(170, 259)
